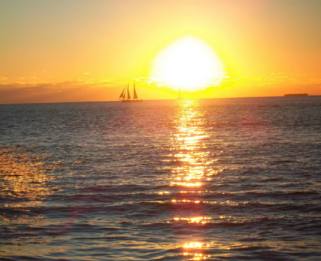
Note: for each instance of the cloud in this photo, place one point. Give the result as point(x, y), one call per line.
point(60, 92)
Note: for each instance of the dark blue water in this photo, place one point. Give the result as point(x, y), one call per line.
point(222, 179)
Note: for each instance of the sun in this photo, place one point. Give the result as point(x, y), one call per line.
point(187, 64)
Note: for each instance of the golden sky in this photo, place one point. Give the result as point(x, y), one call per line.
point(75, 50)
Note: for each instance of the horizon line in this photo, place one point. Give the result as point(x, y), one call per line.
point(149, 100)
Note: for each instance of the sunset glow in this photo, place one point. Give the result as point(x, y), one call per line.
point(242, 49)
point(160, 130)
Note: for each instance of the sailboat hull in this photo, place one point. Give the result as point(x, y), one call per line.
point(130, 101)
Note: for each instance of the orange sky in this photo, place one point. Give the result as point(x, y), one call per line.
point(80, 50)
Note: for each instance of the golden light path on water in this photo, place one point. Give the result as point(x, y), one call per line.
point(23, 178)
point(190, 174)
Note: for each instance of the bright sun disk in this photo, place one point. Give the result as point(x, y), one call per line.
point(188, 64)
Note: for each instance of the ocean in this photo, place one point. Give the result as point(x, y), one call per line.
point(235, 179)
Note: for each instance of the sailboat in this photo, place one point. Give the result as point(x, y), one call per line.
point(125, 95)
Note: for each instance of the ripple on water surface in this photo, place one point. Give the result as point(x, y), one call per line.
point(221, 179)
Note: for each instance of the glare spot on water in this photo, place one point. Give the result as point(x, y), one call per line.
point(187, 184)
point(23, 178)
point(194, 250)
point(163, 193)
point(175, 201)
point(201, 220)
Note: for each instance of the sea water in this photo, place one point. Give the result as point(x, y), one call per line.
point(161, 180)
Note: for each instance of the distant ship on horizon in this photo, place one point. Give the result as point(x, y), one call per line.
point(125, 95)
point(296, 95)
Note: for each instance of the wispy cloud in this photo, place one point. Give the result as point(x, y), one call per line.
point(59, 92)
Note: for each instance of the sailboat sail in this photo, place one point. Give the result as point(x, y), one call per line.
point(127, 96)
point(135, 93)
point(122, 95)
point(128, 93)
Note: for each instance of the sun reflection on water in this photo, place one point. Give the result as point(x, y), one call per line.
point(189, 144)
point(22, 178)
point(190, 175)
point(193, 220)
point(194, 250)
